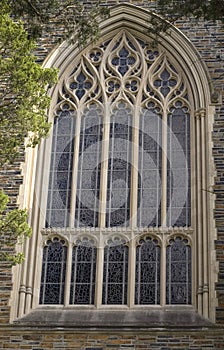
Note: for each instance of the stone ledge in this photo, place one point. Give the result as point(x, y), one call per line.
point(141, 318)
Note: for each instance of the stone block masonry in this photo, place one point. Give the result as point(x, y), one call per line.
point(41, 339)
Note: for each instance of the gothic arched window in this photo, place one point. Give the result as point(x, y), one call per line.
point(121, 145)
point(121, 158)
point(114, 184)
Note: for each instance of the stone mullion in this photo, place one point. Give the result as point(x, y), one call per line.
point(75, 170)
point(199, 216)
point(22, 289)
point(163, 273)
point(164, 171)
point(134, 173)
point(30, 265)
point(104, 168)
point(99, 274)
point(68, 275)
point(131, 272)
point(204, 218)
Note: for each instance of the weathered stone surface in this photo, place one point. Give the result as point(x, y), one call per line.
point(114, 318)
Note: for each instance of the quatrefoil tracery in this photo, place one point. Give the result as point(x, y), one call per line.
point(124, 68)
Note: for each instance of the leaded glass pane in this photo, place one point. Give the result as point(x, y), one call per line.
point(150, 158)
point(88, 184)
point(115, 274)
point(178, 167)
point(59, 190)
point(119, 167)
point(135, 89)
point(147, 278)
point(53, 272)
point(83, 274)
point(178, 272)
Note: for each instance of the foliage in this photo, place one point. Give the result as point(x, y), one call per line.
point(75, 20)
point(13, 228)
point(23, 106)
point(23, 96)
point(210, 10)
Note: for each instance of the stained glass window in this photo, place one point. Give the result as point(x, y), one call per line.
point(120, 162)
point(121, 95)
point(178, 271)
point(53, 272)
point(115, 273)
point(88, 182)
point(59, 190)
point(178, 171)
point(150, 165)
point(147, 278)
point(83, 273)
point(119, 167)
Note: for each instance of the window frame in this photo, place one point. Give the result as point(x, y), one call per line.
point(26, 289)
point(131, 240)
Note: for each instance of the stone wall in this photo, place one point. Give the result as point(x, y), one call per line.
point(10, 181)
point(42, 339)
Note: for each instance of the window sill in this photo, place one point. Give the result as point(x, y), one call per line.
point(140, 317)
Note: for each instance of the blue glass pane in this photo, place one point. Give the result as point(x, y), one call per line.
point(178, 168)
point(123, 60)
point(83, 275)
point(88, 184)
point(81, 85)
point(178, 272)
point(150, 164)
point(119, 167)
point(147, 278)
point(58, 203)
point(53, 272)
point(115, 274)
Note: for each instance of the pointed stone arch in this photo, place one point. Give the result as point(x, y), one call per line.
point(129, 18)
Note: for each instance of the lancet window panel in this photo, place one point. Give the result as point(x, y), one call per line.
point(147, 276)
point(178, 170)
point(115, 273)
point(53, 272)
point(83, 275)
point(178, 271)
point(119, 167)
point(89, 167)
point(60, 176)
point(150, 166)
